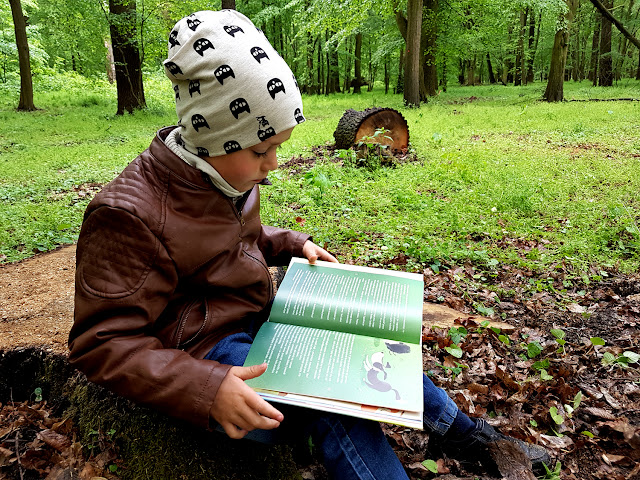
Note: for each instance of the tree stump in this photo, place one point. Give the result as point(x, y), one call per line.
point(355, 125)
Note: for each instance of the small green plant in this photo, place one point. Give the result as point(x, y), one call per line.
point(623, 360)
point(552, 474)
point(319, 181)
point(556, 416)
point(373, 150)
point(559, 336)
point(455, 371)
point(431, 465)
point(37, 394)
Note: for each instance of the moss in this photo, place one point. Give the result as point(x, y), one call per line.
point(149, 444)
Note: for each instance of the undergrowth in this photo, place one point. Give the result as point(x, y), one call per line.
point(494, 175)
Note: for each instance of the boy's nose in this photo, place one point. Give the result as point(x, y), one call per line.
point(271, 162)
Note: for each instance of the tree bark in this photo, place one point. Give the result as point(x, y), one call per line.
point(605, 70)
point(430, 36)
point(357, 65)
point(520, 55)
point(229, 4)
point(126, 54)
point(595, 50)
point(333, 71)
point(533, 45)
point(555, 84)
point(26, 83)
point(412, 55)
point(492, 78)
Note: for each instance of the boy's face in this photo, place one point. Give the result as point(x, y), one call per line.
point(245, 168)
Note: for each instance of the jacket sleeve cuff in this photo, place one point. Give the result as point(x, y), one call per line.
point(218, 374)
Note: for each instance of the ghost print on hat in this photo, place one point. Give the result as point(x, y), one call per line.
point(232, 89)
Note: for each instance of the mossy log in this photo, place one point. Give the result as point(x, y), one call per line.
point(149, 444)
point(356, 125)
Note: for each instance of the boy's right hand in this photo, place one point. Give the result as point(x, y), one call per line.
point(238, 409)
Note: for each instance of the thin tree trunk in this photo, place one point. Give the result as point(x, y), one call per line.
point(400, 82)
point(412, 55)
point(22, 44)
point(533, 45)
point(492, 78)
point(357, 66)
point(595, 51)
point(430, 36)
point(605, 70)
point(387, 76)
point(129, 85)
point(520, 56)
point(230, 4)
point(555, 85)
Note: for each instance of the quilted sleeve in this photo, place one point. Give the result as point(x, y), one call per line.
point(124, 278)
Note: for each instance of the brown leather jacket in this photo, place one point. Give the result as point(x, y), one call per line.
point(166, 267)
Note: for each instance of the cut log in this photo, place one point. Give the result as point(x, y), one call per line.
point(355, 125)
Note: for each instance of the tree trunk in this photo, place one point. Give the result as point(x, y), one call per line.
point(492, 78)
point(126, 54)
point(412, 55)
point(507, 76)
point(387, 74)
point(357, 66)
point(430, 36)
point(471, 71)
point(555, 84)
point(26, 83)
point(347, 70)
point(400, 82)
point(520, 56)
point(605, 70)
point(333, 71)
point(533, 44)
point(595, 50)
point(230, 4)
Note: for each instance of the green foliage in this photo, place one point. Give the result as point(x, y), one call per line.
point(552, 474)
point(453, 205)
point(431, 465)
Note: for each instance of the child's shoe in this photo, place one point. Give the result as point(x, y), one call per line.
point(475, 447)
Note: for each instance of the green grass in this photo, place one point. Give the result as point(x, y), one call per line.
point(499, 176)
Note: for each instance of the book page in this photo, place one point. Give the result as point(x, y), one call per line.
point(360, 300)
point(338, 365)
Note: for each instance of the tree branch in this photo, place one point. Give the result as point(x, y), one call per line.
point(605, 13)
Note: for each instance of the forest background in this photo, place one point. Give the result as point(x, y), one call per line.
point(516, 205)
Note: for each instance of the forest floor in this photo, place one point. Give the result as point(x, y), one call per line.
point(582, 401)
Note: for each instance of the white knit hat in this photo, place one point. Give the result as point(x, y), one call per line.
point(232, 88)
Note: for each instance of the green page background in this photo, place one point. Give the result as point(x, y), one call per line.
point(335, 299)
point(332, 364)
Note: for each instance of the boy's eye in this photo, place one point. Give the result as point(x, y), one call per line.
point(260, 154)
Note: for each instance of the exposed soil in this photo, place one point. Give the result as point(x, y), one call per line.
point(494, 377)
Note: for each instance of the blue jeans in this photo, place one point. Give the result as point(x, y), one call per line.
point(352, 448)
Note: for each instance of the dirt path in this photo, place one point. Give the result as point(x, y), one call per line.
point(36, 301)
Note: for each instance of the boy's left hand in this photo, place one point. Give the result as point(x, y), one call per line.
point(313, 252)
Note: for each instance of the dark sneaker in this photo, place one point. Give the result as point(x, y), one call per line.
point(475, 447)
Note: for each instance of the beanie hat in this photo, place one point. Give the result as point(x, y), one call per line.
point(232, 89)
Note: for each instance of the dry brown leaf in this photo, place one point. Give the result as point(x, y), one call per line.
point(54, 440)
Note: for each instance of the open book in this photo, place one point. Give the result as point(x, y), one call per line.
point(344, 339)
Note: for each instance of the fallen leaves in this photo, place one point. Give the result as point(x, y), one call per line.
point(34, 444)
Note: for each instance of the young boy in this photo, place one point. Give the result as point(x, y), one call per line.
point(172, 276)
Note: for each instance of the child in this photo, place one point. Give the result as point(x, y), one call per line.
point(172, 279)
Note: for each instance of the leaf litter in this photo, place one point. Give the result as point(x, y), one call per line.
point(564, 375)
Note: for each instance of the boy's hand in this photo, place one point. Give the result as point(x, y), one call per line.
point(238, 409)
point(313, 252)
